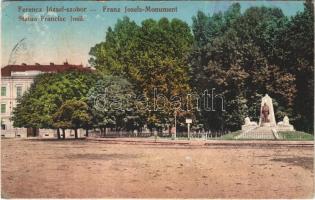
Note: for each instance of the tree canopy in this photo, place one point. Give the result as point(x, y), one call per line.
point(239, 55)
point(246, 55)
point(152, 56)
point(48, 93)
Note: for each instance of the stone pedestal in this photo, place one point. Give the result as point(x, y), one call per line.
point(285, 125)
point(266, 124)
point(271, 117)
point(249, 124)
point(267, 128)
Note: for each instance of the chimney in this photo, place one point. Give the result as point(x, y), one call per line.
point(37, 64)
point(65, 63)
point(24, 64)
point(51, 64)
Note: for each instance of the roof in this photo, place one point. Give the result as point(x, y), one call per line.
point(52, 68)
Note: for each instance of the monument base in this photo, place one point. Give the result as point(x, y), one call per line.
point(285, 125)
point(285, 128)
point(249, 127)
point(266, 124)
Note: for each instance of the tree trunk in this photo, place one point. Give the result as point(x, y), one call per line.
point(76, 133)
point(101, 131)
point(87, 132)
point(58, 133)
point(34, 132)
point(64, 133)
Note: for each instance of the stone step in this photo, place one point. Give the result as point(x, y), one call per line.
point(258, 133)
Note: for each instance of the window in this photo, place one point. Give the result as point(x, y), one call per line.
point(3, 108)
point(3, 91)
point(18, 91)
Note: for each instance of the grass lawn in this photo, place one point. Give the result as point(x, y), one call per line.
point(295, 135)
point(230, 136)
point(167, 138)
point(284, 135)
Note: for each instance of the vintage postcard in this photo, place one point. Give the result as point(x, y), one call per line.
point(157, 99)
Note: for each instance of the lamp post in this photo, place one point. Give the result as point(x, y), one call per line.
point(188, 122)
point(175, 124)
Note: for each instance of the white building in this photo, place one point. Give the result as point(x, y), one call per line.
point(15, 80)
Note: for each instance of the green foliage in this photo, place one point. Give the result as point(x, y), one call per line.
point(112, 103)
point(247, 55)
point(241, 55)
point(152, 55)
point(73, 114)
point(47, 94)
point(299, 60)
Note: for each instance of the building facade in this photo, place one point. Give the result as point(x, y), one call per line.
point(15, 80)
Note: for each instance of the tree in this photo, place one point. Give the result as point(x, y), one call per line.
point(237, 57)
point(112, 102)
point(47, 94)
point(298, 56)
point(152, 56)
point(73, 114)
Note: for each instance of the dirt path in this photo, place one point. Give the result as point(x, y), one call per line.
point(82, 169)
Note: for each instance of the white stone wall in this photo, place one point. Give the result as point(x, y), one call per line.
point(9, 100)
point(14, 132)
point(50, 133)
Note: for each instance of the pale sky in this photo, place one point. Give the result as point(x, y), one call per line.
point(45, 42)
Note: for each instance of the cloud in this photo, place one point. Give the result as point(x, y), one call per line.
point(41, 28)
